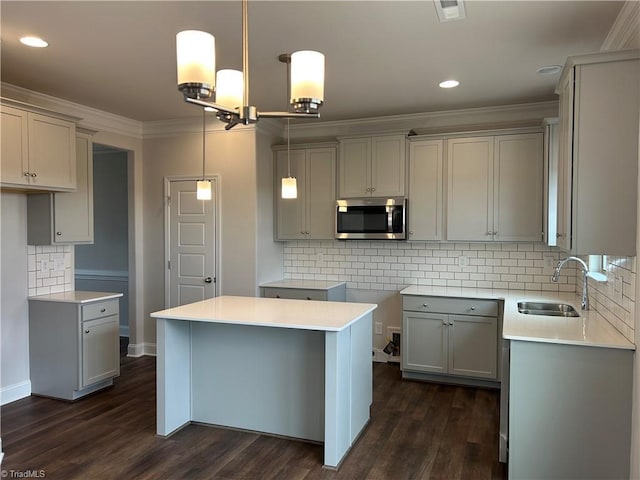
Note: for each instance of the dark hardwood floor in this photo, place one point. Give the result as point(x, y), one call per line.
point(417, 430)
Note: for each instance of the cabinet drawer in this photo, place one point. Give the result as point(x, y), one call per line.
point(100, 309)
point(294, 293)
point(460, 306)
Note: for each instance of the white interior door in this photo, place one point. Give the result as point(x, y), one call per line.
point(191, 267)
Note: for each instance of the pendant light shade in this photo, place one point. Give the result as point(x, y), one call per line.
point(307, 79)
point(229, 88)
point(203, 190)
point(289, 187)
point(196, 63)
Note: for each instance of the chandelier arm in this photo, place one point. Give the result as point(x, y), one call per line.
point(287, 115)
point(245, 50)
point(215, 106)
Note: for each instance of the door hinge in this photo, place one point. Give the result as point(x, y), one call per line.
point(168, 264)
point(168, 200)
point(215, 279)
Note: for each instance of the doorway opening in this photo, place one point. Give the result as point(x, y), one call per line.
point(104, 265)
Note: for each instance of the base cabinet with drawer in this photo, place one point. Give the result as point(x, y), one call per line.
point(74, 343)
point(454, 338)
point(305, 290)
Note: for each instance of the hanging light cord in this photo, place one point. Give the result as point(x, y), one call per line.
point(203, 135)
point(288, 119)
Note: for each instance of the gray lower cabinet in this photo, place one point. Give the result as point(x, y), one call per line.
point(569, 411)
point(450, 339)
point(74, 348)
point(305, 290)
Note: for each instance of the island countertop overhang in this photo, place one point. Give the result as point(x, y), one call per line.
point(271, 312)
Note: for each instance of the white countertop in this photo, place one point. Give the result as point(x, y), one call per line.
point(304, 284)
point(76, 296)
point(590, 329)
point(271, 312)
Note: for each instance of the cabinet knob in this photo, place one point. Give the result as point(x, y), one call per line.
point(277, 296)
point(308, 298)
point(26, 174)
point(87, 331)
point(58, 233)
point(208, 280)
point(444, 322)
point(33, 174)
point(102, 310)
point(473, 307)
point(425, 305)
point(451, 323)
point(559, 235)
point(373, 189)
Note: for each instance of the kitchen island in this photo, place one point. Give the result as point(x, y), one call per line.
point(294, 368)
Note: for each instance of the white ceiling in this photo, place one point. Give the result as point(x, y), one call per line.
point(382, 57)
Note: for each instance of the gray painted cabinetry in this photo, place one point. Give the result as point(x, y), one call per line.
point(569, 411)
point(305, 290)
point(74, 343)
point(450, 339)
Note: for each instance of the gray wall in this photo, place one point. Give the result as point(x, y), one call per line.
point(14, 310)
point(110, 206)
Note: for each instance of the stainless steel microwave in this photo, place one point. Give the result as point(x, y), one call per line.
point(371, 218)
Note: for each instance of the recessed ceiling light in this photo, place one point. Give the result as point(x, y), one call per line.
point(549, 70)
point(31, 41)
point(449, 84)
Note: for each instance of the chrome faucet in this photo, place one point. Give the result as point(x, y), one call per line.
point(585, 269)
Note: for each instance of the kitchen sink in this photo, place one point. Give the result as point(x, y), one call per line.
point(548, 309)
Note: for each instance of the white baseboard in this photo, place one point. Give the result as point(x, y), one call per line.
point(14, 392)
point(141, 349)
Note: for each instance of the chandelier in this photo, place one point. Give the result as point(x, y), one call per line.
point(227, 92)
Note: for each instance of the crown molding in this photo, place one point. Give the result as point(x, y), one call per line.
point(625, 31)
point(422, 121)
point(90, 118)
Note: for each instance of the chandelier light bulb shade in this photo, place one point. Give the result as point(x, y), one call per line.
point(307, 77)
point(203, 190)
point(229, 88)
point(289, 187)
point(196, 59)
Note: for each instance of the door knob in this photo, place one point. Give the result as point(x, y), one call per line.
point(208, 280)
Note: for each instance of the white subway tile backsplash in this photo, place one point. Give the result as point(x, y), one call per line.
point(43, 277)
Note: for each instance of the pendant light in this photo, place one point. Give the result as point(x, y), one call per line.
point(289, 187)
point(289, 183)
point(203, 187)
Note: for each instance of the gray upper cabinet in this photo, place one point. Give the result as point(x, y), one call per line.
point(311, 215)
point(598, 157)
point(38, 151)
point(65, 218)
point(372, 166)
point(494, 188)
point(425, 205)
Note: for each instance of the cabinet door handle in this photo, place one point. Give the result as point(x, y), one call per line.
point(208, 280)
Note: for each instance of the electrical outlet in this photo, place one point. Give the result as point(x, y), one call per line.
point(45, 266)
point(463, 261)
point(58, 263)
point(378, 328)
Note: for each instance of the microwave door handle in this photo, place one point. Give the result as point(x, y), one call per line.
point(390, 220)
